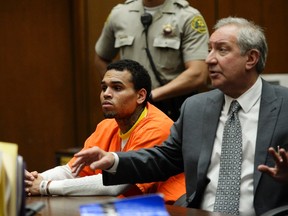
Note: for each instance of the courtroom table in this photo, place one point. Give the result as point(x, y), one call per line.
point(69, 205)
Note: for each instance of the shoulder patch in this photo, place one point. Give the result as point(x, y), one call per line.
point(199, 24)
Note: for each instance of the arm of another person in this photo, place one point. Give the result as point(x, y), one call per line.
point(144, 165)
point(105, 52)
point(34, 179)
point(61, 181)
point(194, 49)
point(85, 186)
point(101, 64)
point(194, 77)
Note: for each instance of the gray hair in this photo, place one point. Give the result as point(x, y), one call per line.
point(250, 36)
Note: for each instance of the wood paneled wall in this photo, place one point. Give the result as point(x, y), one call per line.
point(37, 85)
point(49, 90)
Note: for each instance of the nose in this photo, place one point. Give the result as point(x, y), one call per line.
point(210, 59)
point(107, 93)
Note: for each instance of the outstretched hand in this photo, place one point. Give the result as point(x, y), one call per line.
point(95, 157)
point(280, 171)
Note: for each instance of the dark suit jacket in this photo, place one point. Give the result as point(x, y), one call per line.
point(190, 145)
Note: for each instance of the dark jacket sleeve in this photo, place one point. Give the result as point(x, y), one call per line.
point(150, 164)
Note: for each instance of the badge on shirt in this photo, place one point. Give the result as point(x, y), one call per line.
point(168, 30)
point(199, 24)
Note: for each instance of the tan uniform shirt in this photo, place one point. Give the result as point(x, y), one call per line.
point(178, 34)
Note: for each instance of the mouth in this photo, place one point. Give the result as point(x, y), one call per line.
point(213, 73)
point(107, 104)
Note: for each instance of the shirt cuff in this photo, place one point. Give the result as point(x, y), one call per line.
point(115, 165)
point(43, 187)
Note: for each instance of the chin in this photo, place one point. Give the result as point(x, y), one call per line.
point(217, 83)
point(109, 115)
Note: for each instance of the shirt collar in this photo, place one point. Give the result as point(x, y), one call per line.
point(166, 7)
point(127, 134)
point(248, 99)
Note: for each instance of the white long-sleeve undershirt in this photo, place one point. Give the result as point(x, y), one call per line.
point(64, 183)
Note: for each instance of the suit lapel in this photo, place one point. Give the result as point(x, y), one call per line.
point(268, 115)
point(212, 109)
point(211, 115)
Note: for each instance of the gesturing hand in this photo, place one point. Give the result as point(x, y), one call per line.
point(95, 157)
point(280, 171)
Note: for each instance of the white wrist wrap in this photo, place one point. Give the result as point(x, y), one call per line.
point(43, 187)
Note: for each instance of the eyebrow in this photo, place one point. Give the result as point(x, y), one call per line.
point(218, 42)
point(113, 82)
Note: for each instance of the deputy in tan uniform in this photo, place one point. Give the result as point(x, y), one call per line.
point(177, 40)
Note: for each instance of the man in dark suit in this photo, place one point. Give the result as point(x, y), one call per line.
point(237, 56)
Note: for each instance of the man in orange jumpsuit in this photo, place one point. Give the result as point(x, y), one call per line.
point(130, 123)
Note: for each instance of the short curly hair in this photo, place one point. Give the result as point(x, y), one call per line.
point(140, 76)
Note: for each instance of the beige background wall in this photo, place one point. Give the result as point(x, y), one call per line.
point(49, 88)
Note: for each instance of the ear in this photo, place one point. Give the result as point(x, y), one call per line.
point(252, 58)
point(141, 96)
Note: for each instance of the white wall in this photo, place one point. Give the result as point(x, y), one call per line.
point(280, 79)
